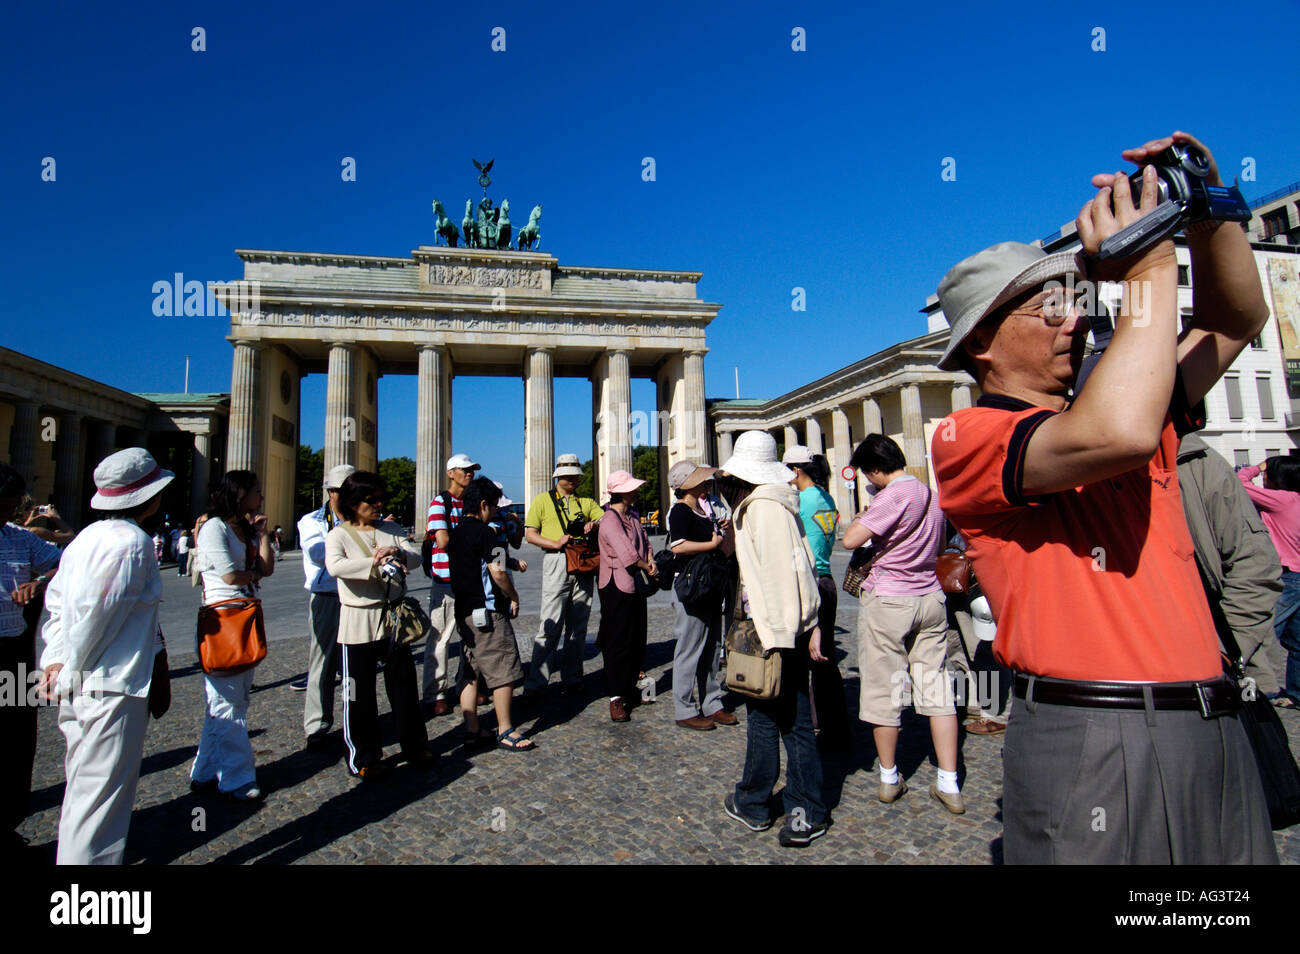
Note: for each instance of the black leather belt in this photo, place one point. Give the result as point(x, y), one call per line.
point(1212, 698)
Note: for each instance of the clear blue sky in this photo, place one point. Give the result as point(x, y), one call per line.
point(775, 168)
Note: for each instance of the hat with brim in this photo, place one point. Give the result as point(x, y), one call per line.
point(753, 460)
point(127, 479)
point(339, 473)
point(621, 482)
point(797, 454)
point(976, 286)
point(567, 465)
point(504, 501)
point(686, 475)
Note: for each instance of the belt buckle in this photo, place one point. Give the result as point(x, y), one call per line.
point(1204, 696)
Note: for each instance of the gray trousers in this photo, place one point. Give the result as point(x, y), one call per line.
point(566, 608)
point(438, 679)
point(1124, 786)
point(318, 706)
point(695, 661)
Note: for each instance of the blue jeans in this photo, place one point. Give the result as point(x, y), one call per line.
point(788, 719)
point(1286, 624)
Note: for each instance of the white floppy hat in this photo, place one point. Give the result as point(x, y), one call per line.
point(334, 479)
point(753, 460)
point(504, 501)
point(686, 474)
point(977, 285)
point(567, 465)
point(127, 479)
point(797, 454)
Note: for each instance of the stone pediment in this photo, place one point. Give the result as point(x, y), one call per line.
point(463, 270)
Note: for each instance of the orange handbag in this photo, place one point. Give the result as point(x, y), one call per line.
point(231, 635)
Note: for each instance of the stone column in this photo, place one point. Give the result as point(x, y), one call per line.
point(101, 440)
point(961, 397)
point(618, 430)
point(790, 435)
point(433, 427)
point(201, 474)
point(693, 417)
point(341, 422)
point(841, 451)
point(245, 387)
point(724, 446)
point(814, 438)
point(27, 423)
point(871, 420)
point(539, 422)
point(67, 468)
point(914, 433)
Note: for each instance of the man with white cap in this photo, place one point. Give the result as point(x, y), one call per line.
point(100, 643)
point(553, 520)
point(444, 513)
point(1070, 506)
point(322, 611)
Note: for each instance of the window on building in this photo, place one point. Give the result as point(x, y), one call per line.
point(1241, 458)
point(1275, 222)
point(1257, 342)
point(1185, 316)
point(1232, 385)
point(1264, 388)
point(1185, 275)
point(1273, 452)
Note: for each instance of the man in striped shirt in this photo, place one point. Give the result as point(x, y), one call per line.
point(444, 513)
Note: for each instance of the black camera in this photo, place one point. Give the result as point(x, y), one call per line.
point(575, 527)
point(1183, 198)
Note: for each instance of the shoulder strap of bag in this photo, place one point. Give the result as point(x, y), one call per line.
point(555, 502)
point(352, 531)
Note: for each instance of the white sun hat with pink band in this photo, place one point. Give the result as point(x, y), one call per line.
point(621, 482)
point(127, 479)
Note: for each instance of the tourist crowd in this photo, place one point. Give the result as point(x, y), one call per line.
point(1113, 688)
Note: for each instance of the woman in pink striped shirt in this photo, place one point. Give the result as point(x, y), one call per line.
point(1278, 503)
point(624, 552)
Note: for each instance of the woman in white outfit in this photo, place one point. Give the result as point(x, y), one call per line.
point(234, 554)
point(100, 643)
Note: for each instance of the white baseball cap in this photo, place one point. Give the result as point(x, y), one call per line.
point(462, 462)
point(334, 479)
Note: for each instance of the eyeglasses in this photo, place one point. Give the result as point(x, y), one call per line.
point(1049, 310)
point(373, 501)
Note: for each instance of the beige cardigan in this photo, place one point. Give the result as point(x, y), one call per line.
point(362, 593)
point(776, 565)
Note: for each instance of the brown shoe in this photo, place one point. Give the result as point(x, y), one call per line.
point(986, 726)
point(697, 722)
point(723, 717)
point(950, 800)
point(441, 708)
point(617, 711)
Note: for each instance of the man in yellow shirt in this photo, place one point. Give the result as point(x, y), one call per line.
point(552, 521)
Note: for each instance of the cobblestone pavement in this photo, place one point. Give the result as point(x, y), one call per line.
point(593, 791)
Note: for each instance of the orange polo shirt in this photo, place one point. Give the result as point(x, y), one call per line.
point(1094, 583)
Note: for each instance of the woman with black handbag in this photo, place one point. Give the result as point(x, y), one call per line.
point(233, 555)
point(628, 575)
point(370, 557)
point(696, 539)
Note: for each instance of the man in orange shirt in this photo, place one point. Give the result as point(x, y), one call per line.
point(1123, 744)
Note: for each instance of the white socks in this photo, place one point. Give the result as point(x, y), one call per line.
point(948, 783)
point(889, 776)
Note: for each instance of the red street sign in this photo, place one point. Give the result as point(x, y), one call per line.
point(848, 473)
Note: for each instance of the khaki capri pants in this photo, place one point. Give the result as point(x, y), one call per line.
point(902, 637)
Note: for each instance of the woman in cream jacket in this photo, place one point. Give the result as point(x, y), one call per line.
point(779, 589)
point(370, 559)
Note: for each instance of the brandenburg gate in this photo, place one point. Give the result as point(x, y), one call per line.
point(445, 311)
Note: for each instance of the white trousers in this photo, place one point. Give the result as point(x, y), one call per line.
point(105, 735)
point(225, 754)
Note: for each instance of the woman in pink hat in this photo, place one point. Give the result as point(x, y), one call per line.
point(624, 562)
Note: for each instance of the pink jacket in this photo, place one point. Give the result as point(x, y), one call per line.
point(1280, 511)
point(622, 543)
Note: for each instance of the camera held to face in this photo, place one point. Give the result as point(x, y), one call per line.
point(1183, 198)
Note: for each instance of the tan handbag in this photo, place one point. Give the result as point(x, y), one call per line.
point(232, 636)
point(752, 671)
